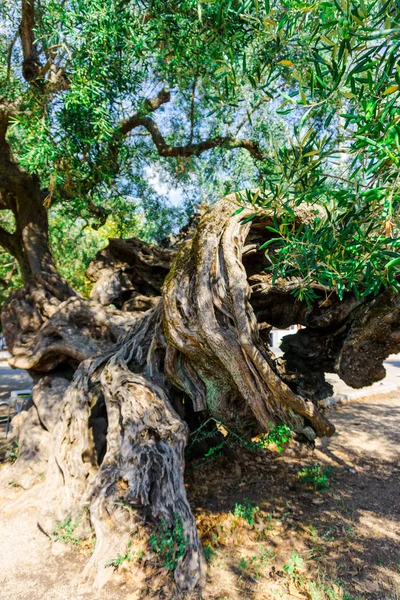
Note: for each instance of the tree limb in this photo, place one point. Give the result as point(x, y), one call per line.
point(194, 149)
point(31, 64)
point(192, 101)
point(8, 241)
point(150, 105)
point(9, 53)
point(191, 149)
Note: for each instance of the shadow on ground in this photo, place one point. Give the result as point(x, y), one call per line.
point(346, 538)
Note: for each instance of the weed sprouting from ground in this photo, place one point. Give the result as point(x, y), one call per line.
point(67, 533)
point(316, 476)
point(64, 532)
point(129, 556)
point(320, 543)
point(255, 565)
point(246, 511)
point(293, 567)
point(209, 553)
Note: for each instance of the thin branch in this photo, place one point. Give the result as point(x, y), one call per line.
point(249, 113)
point(192, 111)
point(150, 105)
point(190, 149)
point(331, 176)
point(9, 54)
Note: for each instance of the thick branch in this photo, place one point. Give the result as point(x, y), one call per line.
point(150, 105)
point(31, 63)
point(6, 110)
point(164, 149)
point(20, 192)
point(191, 149)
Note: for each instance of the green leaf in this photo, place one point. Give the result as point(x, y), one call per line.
point(271, 241)
point(248, 219)
point(393, 263)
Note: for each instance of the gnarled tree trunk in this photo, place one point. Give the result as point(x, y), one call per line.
point(115, 452)
point(21, 194)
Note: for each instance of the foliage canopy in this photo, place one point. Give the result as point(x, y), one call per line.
point(306, 94)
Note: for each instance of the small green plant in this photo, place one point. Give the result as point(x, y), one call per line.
point(64, 532)
point(320, 543)
point(9, 451)
point(129, 556)
point(246, 511)
point(169, 542)
point(278, 435)
point(293, 567)
point(209, 553)
point(322, 591)
point(256, 564)
point(316, 476)
point(326, 589)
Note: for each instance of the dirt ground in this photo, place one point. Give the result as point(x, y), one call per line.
point(268, 534)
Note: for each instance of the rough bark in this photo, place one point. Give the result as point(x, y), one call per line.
point(129, 274)
point(43, 332)
point(353, 347)
point(33, 427)
point(115, 448)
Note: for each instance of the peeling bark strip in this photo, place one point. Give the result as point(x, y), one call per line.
point(114, 441)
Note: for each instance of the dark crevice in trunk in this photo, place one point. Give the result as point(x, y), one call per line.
point(98, 423)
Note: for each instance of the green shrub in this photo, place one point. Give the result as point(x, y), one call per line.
point(316, 476)
point(246, 511)
point(278, 435)
point(169, 542)
point(64, 532)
